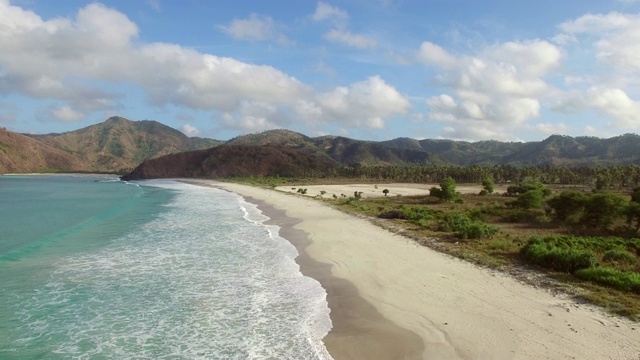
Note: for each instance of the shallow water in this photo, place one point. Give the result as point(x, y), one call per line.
point(97, 268)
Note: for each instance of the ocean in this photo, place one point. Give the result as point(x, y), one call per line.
point(95, 268)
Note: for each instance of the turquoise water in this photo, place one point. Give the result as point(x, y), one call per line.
point(98, 268)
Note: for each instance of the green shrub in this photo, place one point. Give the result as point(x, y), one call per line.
point(620, 256)
point(424, 223)
point(476, 230)
point(621, 280)
point(453, 221)
point(417, 213)
point(517, 215)
point(564, 259)
point(463, 227)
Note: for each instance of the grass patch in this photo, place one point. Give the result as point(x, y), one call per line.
point(551, 256)
point(621, 280)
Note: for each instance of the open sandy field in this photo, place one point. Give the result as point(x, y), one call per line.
point(370, 190)
point(393, 299)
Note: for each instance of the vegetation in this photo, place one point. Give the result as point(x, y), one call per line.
point(559, 231)
point(447, 191)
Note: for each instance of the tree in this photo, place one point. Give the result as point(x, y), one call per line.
point(488, 185)
point(633, 216)
point(532, 199)
point(568, 206)
point(602, 209)
point(447, 191)
point(603, 182)
point(635, 194)
point(385, 192)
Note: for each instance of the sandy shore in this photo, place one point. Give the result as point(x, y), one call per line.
point(385, 292)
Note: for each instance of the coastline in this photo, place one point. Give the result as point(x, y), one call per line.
point(457, 310)
point(358, 330)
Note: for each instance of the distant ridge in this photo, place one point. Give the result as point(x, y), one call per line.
point(115, 145)
point(120, 145)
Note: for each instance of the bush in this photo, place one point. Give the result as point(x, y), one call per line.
point(476, 230)
point(565, 259)
point(417, 213)
point(621, 280)
point(465, 228)
point(532, 199)
point(619, 256)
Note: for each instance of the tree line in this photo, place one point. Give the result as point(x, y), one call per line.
point(603, 177)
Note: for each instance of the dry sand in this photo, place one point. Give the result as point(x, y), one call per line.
point(370, 190)
point(380, 285)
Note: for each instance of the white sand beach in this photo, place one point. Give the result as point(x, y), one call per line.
point(456, 309)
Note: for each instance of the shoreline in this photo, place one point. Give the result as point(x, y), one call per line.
point(358, 330)
point(458, 310)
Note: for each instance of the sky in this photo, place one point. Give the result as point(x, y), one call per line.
point(508, 70)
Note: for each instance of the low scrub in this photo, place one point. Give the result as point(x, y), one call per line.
point(559, 258)
point(620, 256)
point(622, 280)
point(416, 213)
point(465, 228)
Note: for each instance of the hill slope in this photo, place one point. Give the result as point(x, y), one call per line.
point(22, 154)
point(233, 160)
point(115, 145)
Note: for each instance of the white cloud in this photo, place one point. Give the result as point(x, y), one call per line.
point(256, 27)
point(190, 130)
point(590, 130)
point(66, 113)
point(254, 117)
point(493, 91)
point(616, 104)
point(614, 36)
point(433, 54)
point(334, 14)
point(339, 33)
point(74, 60)
point(485, 130)
point(551, 128)
point(364, 103)
point(353, 40)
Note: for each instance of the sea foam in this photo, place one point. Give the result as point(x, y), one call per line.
point(206, 279)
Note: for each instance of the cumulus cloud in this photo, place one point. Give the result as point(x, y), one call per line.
point(613, 40)
point(492, 92)
point(73, 60)
point(363, 103)
point(190, 130)
point(66, 113)
point(339, 33)
point(326, 12)
point(614, 36)
point(616, 104)
point(256, 27)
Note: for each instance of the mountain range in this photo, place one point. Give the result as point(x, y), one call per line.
point(116, 145)
point(120, 145)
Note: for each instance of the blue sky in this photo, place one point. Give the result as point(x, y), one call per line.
point(470, 70)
